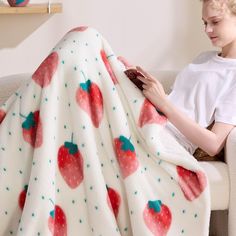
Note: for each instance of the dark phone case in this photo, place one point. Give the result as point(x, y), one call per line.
point(132, 75)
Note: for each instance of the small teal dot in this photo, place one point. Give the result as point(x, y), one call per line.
point(21, 229)
point(33, 215)
point(173, 194)
point(28, 194)
point(135, 101)
point(136, 192)
point(63, 62)
point(20, 171)
point(4, 169)
point(159, 179)
point(88, 165)
point(72, 51)
point(38, 234)
point(34, 96)
point(83, 145)
point(102, 165)
point(96, 207)
point(9, 133)
point(75, 68)
point(46, 99)
point(3, 148)
point(80, 221)
point(58, 190)
point(7, 189)
point(20, 149)
point(183, 211)
point(64, 126)
point(35, 178)
point(83, 127)
point(113, 108)
point(195, 215)
point(117, 176)
point(73, 201)
point(96, 59)
point(91, 187)
point(66, 85)
point(158, 153)
point(13, 113)
point(182, 231)
point(43, 197)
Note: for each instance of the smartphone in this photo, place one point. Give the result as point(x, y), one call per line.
point(132, 74)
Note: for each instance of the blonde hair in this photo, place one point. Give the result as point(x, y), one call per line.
point(219, 4)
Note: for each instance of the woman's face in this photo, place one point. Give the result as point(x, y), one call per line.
point(220, 24)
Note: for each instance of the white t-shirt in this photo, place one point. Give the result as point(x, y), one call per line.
point(209, 85)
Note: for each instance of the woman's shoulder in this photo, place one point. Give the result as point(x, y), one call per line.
point(204, 56)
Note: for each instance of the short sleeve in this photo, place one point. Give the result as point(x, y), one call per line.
point(226, 107)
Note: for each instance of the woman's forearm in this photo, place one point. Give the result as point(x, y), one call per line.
point(203, 138)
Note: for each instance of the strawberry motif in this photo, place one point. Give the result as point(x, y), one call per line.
point(149, 115)
point(2, 115)
point(70, 163)
point(192, 183)
point(126, 156)
point(32, 129)
point(22, 197)
point(113, 200)
point(43, 75)
point(157, 217)
point(108, 66)
point(80, 29)
point(89, 98)
point(57, 223)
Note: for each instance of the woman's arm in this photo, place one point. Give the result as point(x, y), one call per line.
point(211, 141)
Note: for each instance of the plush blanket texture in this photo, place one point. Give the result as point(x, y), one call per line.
point(82, 152)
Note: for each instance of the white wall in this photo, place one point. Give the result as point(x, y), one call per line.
point(156, 34)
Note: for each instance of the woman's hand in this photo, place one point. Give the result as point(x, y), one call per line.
point(153, 90)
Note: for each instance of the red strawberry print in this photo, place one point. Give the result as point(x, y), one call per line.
point(113, 200)
point(2, 115)
point(157, 217)
point(79, 29)
point(191, 183)
point(57, 223)
point(124, 62)
point(149, 115)
point(108, 66)
point(126, 156)
point(43, 75)
point(32, 129)
point(70, 163)
point(22, 197)
point(89, 98)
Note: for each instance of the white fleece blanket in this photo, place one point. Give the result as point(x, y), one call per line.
point(82, 152)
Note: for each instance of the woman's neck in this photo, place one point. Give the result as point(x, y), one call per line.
point(229, 51)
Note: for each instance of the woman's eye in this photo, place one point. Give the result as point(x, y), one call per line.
point(215, 22)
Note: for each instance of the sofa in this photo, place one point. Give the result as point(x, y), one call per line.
point(221, 175)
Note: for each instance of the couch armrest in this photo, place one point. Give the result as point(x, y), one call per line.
point(230, 158)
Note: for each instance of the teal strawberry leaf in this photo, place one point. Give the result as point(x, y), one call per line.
point(86, 86)
point(155, 205)
point(126, 144)
point(29, 122)
point(19, 1)
point(73, 148)
point(52, 213)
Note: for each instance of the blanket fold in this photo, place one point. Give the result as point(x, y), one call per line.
point(82, 152)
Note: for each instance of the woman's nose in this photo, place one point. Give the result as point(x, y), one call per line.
point(208, 29)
